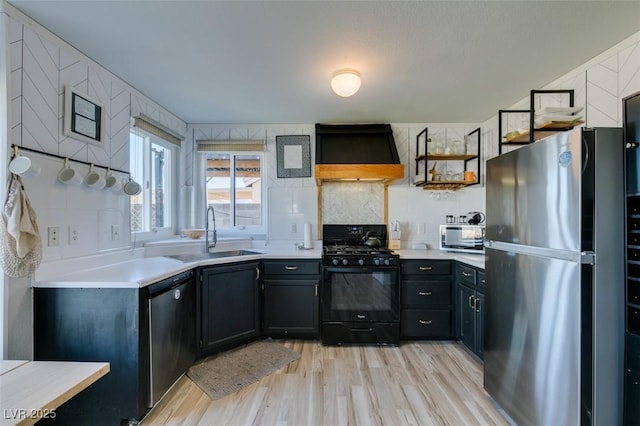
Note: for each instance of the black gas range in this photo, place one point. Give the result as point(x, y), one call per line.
point(360, 288)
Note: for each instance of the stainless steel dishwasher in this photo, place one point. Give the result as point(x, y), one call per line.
point(172, 331)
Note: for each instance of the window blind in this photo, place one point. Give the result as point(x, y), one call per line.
point(151, 126)
point(229, 145)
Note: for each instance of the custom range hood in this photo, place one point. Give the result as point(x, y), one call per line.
point(365, 152)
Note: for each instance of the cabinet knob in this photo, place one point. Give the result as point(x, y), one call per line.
point(426, 268)
point(290, 268)
point(466, 274)
point(424, 322)
point(424, 293)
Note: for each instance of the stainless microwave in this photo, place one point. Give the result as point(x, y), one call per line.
point(464, 238)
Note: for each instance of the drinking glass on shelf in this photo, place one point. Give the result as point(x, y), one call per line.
point(458, 147)
point(438, 146)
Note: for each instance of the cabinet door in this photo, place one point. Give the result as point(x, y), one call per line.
point(632, 381)
point(467, 315)
point(229, 306)
point(479, 304)
point(291, 308)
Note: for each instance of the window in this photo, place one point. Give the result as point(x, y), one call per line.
point(234, 189)
point(151, 162)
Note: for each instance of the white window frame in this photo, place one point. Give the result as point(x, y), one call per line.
point(166, 231)
point(255, 231)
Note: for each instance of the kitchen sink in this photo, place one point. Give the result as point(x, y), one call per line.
point(196, 257)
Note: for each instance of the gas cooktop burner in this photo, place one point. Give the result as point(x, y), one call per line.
point(355, 250)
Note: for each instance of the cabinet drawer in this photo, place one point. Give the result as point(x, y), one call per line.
point(430, 267)
point(467, 275)
point(633, 223)
point(633, 254)
point(425, 323)
point(633, 320)
point(633, 239)
point(286, 267)
point(633, 291)
point(633, 205)
point(482, 282)
point(425, 293)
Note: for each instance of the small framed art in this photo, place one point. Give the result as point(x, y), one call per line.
point(84, 118)
point(293, 156)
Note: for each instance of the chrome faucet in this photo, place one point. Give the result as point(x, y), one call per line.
point(214, 240)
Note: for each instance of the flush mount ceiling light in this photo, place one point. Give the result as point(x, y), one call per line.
point(346, 82)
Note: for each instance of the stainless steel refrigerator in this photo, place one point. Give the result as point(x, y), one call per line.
point(554, 307)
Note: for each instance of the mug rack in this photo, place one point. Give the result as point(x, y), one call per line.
point(17, 148)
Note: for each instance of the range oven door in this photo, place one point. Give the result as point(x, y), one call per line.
point(360, 294)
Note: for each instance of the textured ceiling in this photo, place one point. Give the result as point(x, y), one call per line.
point(271, 61)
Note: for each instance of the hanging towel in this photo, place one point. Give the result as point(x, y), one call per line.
point(20, 242)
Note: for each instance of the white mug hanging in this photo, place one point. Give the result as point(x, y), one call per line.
point(93, 179)
point(24, 166)
point(132, 187)
point(68, 175)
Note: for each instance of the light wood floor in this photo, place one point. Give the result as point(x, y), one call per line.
point(419, 383)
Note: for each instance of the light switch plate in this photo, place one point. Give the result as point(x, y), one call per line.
point(73, 235)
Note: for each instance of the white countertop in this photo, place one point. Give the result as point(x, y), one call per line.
point(141, 271)
point(472, 259)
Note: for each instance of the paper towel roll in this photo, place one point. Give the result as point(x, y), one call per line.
point(307, 236)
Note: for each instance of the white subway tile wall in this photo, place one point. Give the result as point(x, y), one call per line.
point(41, 67)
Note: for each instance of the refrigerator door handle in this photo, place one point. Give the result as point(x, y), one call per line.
point(588, 258)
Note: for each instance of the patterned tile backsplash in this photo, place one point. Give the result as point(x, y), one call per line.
point(352, 202)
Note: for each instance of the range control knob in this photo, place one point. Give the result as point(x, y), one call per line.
point(386, 262)
point(361, 262)
point(376, 262)
point(345, 262)
point(334, 261)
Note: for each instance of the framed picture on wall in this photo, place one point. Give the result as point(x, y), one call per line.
point(84, 118)
point(293, 156)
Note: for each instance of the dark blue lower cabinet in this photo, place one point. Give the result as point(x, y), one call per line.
point(96, 324)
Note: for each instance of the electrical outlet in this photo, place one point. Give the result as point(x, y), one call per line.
point(293, 228)
point(53, 236)
point(115, 232)
point(73, 235)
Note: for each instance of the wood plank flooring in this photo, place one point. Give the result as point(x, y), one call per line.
point(418, 383)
